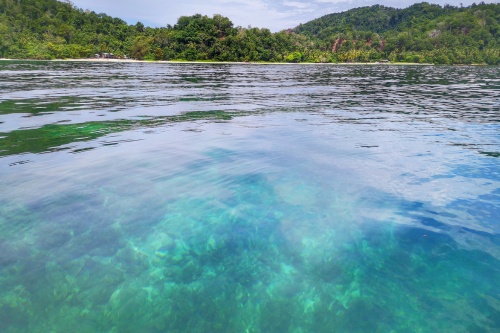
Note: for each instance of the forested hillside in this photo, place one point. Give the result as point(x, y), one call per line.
point(50, 29)
point(420, 33)
point(46, 29)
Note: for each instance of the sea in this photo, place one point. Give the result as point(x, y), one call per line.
point(254, 198)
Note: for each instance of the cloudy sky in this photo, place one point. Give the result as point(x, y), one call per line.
point(273, 14)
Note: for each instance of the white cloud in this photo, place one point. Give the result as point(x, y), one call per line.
point(296, 4)
point(356, 3)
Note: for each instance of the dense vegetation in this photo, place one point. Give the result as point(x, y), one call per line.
point(420, 33)
point(49, 29)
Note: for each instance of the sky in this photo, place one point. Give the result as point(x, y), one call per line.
point(275, 15)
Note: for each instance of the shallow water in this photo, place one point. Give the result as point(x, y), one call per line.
point(249, 198)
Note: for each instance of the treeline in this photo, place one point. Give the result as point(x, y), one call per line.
point(420, 33)
point(200, 37)
point(50, 29)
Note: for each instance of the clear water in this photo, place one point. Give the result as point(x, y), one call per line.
point(249, 198)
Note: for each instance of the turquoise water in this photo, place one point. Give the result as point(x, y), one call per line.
point(249, 198)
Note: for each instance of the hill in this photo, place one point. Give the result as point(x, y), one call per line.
point(377, 18)
point(420, 33)
point(50, 29)
point(47, 29)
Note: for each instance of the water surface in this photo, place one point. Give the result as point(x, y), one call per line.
point(249, 198)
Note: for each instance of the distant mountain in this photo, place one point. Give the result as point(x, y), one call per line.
point(376, 18)
point(424, 33)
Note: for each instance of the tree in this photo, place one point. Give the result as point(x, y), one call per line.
point(45, 29)
point(141, 47)
point(158, 54)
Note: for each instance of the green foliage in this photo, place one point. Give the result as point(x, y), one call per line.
point(420, 33)
point(294, 57)
point(141, 47)
point(50, 29)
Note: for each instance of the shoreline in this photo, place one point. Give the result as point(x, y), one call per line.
point(99, 60)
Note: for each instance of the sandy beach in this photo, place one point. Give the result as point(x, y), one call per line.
point(100, 60)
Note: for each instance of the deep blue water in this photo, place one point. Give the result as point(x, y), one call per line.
point(147, 197)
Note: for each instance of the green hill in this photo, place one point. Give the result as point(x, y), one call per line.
point(419, 33)
point(377, 18)
point(50, 29)
point(45, 29)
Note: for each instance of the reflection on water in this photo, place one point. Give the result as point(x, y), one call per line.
point(245, 198)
